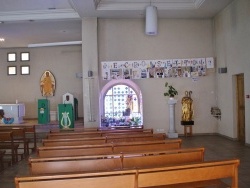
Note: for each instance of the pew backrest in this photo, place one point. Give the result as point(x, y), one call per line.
point(147, 146)
point(121, 179)
point(108, 148)
point(185, 175)
point(7, 143)
point(19, 137)
point(66, 151)
point(198, 172)
point(136, 137)
point(75, 164)
point(30, 131)
point(101, 140)
point(75, 141)
point(162, 158)
point(93, 134)
point(114, 161)
point(73, 135)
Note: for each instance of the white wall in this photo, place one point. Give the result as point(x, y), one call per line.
point(177, 38)
point(232, 28)
point(63, 62)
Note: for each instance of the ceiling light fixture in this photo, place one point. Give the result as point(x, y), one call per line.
point(151, 20)
point(2, 39)
point(55, 44)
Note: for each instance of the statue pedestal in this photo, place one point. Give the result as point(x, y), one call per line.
point(172, 132)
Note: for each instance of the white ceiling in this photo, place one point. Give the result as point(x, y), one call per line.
point(47, 21)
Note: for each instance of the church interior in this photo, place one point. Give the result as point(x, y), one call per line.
point(124, 91)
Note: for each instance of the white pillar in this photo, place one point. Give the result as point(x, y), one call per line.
point(90, 63)
point(172, 132)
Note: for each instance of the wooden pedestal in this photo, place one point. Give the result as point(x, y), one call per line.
point(188, 129)
point(186, 132)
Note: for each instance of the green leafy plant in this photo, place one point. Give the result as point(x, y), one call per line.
point(171, 91)
point(136, 121)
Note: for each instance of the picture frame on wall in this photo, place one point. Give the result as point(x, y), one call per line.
point(25, 70)
point(11, 70)
point(25, 56)
point(11, 57)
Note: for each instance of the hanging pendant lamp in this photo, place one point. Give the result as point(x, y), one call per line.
point(151, 20)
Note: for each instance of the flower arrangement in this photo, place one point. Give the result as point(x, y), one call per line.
point(122, 121)
point(171, 91)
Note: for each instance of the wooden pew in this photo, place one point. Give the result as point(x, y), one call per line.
point(136, 137)
point(75, 164)
point(74, 135)
point(2, 152)
point(30, 131)
point(190, 175)
point(162, 158)
point(101, 140)
point(157, 145)
point(108, 148)
point(94, 134)
point(114, 161)
point(7, 143)
point(82, 129)
point(114, 179)
point(72, 142)
point(62, 135)
point(79, 150)
point(19, 136)
point(202, 174)
point(126, 130)
point(75, 129)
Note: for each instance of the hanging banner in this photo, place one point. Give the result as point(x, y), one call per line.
point(141, 69)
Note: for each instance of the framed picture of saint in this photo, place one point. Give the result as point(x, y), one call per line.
point(47, 84)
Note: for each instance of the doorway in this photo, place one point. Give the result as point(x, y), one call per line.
point(240, 108)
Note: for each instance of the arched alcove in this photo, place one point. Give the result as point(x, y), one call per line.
point(120, 104)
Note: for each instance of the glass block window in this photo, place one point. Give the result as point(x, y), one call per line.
point(121, 106)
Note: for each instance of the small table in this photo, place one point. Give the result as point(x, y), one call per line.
point(188, 124)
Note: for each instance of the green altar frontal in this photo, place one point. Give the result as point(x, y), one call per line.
point(66, 116)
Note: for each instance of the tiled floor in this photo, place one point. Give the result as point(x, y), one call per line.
point(216, 147)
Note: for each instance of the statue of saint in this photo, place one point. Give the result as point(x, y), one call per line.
point(129, 105)
point(187, 107)
point(47, 84)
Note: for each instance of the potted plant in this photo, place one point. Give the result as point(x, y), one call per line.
point(171, 91)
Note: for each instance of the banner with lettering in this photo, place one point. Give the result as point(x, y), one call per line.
point(141, 69)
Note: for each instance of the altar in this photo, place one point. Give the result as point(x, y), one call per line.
point(16, 111)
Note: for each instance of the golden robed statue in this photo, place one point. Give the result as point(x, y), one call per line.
point(187, 107)
point(47, 84)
